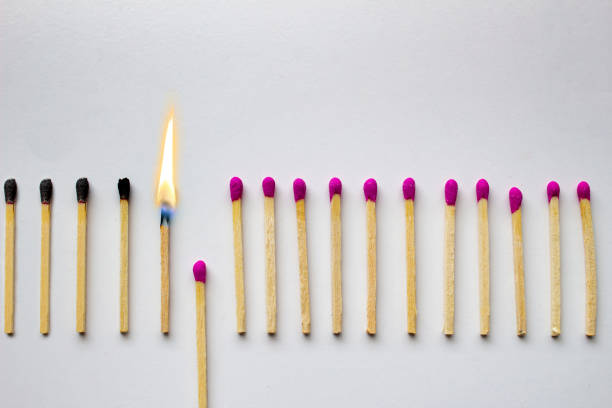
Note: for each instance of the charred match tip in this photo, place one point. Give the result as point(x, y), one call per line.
point(46, 191)
point(268, 186)
point(199, 271)
point(299, 189)
point(516, 198)
point(583, 190)
point(450, 192)
point(236, 188)
point(10, 191)
point(82, 190)
point(408, 188)
point(124, 188)
point(370, 189)
point(335, 187)
point(552, 190)
point(482, 190)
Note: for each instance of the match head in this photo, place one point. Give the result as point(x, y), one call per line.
point(408, 188)
point(236, 188)
point(124, 188)
point(583, 190)
point(335, 187)
point(10, 191)
point(46, 191)
point(450, 192)
point(370, 188)
point(299, 189)
point(516, 198)
point(268, 186)
point(482, 190)
point(553, 190)
point(82, 190)
point(199, 271)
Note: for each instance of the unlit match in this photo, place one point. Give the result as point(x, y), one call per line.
point(516, 198)
point(123, 186)
point(268, 186)
point(82, 191)
point(450, 197)
point(46, 192)
point(590, 267)
point(335, 192)
point(482, 199)
point(299, 194)
point(370, 191)
point(236, 196)
point(552, 191)
point(408, 188)
point(199, 274)
point(10, 194)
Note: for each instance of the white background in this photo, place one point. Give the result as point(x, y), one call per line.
point(518, 92)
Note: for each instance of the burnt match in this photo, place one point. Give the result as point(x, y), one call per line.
point(46, 191)
point(10, 194)
point(82, 191)
point(124, 207)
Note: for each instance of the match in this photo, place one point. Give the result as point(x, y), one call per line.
point(199, 274)
point(124, 206)
point(236, 196)
point(82, 191)
point(482, 199)
point(516, 198)
point(408, 188)
point(46, 192)
point(335, 192)
point(450, 196)
point(370, 191)
point(268, 186)
point(590, 267)
point(10, 194)
point(552, 191)
point(299, 194)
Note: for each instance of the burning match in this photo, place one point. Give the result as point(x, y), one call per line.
point(268, 186)
point(335, 191)
point(236, 196)
point(299, 194)
point(124, 205)
point(450, 196)
point(552, 191)
point(199, 274)
point(482, 199)
point(370, 189)
point(82, 191)
point(10, 194)
point(408, 188)
point(46, 191)
point(166, 200)
point(516, 198)
point(584, 196)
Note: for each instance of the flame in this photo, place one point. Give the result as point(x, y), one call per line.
point(166, 191)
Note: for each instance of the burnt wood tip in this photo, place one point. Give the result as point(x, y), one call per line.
point(82, 190)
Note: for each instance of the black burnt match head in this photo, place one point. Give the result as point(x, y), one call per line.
point(124, 188)
point(82, 190)
point(10, 191)
point(46, 191)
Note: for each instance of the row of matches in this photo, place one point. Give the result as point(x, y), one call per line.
point(450, 191)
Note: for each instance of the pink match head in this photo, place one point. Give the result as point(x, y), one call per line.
point(335, 187)
point(408, 188)
point(450, 192)
point(583, 190)
point(370, 188)
point(552, 190)
point(482, 190)
point(299, 189)
point(199, 271)
point(516, 198)
point(268, 186)
point(235, 188)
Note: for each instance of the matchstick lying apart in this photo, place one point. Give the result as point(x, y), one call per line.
point(408, 188)
point(584, 195)
point(482, 198)
point(450, 196)
point(82, 191)
point(299, 194)
point(236, 196)
point(10, 194)
point(46, 191)
point(199, 274)
point(124, 205)
point(268, 186)
point(516, 198)
point(335, 192)
point(370, 191)
point(552, 191)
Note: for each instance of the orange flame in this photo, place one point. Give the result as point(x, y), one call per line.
point(166, 190)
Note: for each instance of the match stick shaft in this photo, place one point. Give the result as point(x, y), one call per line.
point(165, 278)
point(300, 210)
point(239, 267)
point(9, 270)
point(371, 250)
point(449, 271)
point(270, 242)
point(81, 268)
point(45, 230)
point(590, 267)
point(201, 343)
point(336, 264)
point(483, 265)
point(124, 263)
point(519, 273)
point(410, 268)
point(555, 267)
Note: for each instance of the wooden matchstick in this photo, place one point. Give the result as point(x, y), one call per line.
point(299, 193)
point(552, 191)
point(124, 205)
point(10, 194)
point(82, 190)
point(450, 196)
point(46, 191)
point(268, 186)
point(590, 267)
point(482, 199)
point(164, 232)
point(236, 196)
point(199, 274)
point(516, 198)
point(335, 192)
point(370, 190)
point(408, 189)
